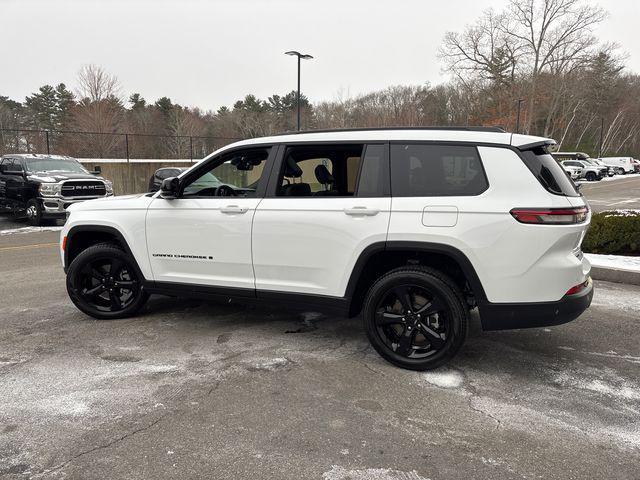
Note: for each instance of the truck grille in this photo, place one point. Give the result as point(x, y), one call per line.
point(83, 189)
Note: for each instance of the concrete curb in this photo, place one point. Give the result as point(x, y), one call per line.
point(615, 275)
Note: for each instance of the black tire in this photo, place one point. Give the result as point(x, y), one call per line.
point(34, 213)
point(590, 176)
point(96, 292)
point(449, 320)
point(622, 171)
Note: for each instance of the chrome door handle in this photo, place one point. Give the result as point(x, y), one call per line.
point(233, 209)
point(361, 211)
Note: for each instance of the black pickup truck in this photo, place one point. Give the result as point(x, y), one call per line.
point(41, 187)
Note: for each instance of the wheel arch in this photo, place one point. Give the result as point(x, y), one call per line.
point(80, 237)
point(383, 256)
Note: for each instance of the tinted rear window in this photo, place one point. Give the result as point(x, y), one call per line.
point(436, 170)
point(549, 173)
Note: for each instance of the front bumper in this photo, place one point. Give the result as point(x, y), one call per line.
point(507, 316)
point(57, 206)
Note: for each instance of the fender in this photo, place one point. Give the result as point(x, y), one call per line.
point(101, 229)
point(424, 247)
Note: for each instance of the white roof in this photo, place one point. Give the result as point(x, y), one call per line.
point(365, 135)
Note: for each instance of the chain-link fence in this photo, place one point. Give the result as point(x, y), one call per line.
point(115, 145)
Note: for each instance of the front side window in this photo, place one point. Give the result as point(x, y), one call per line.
point(233, 174)
point(419, 170)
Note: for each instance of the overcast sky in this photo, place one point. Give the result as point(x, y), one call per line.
point(211, 53)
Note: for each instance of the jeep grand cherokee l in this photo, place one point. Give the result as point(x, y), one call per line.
point(410, 228)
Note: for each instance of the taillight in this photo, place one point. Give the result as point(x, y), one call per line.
point(551, 216)
point(64, 243)
point(578, 288)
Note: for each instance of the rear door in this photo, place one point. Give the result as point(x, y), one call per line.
point(325, 204)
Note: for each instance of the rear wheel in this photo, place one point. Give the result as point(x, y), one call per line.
point(621, 171)
point(415, 317)
point(102, 281)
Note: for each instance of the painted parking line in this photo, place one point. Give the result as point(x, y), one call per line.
point(24, 247)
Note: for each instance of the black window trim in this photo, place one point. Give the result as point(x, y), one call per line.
point(441, 143)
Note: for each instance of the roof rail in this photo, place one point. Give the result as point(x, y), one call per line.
point(368, 129)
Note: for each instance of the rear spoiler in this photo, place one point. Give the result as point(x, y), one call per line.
point(542, 143)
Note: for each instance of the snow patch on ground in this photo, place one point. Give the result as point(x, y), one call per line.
point(610, 179)
point(341, 473)
point(444, 378)
point(271, 364)
point(614, 387)
point(618, 262)
point(13, 231)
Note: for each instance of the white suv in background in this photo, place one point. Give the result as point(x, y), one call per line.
point(410, 228)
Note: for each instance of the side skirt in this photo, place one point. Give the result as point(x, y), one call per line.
point(294, 301)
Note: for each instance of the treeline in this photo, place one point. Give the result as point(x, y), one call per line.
point(539, 55)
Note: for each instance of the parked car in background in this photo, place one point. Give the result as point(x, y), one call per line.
point(636, 165)
point(41, 187)
point(574, 172)
point(610, 170)
point(160, 174)
point(622, 165)
point(591, 170)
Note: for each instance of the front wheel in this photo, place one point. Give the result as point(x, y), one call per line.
point(34, 213)
point(590, 176)
point(103, 282)
point(416, 318)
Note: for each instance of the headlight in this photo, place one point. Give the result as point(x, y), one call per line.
point(109, 187)
point(50, 189)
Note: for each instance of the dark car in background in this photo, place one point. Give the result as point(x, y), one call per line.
point(41, 187)
point(162, 173)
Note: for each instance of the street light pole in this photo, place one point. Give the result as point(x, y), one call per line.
point(305, 57)
point(520, 100)
point(601, 136)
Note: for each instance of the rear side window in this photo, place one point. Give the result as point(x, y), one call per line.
point(436, 170)
point(549, 173)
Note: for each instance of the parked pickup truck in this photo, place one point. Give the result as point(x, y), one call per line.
point(41, 187)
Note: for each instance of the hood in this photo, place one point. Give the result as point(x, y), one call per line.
point(53, 177)
point(121, 202)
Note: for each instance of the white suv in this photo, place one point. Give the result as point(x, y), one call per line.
point(411, 228)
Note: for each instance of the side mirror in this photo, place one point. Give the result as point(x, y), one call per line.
point(97, 170)
point(170, 188)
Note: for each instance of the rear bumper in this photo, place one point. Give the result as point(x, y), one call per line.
point(506, 316)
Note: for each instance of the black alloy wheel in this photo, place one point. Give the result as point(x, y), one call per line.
point(412, 321)
point(416, 317)
point(103, 282)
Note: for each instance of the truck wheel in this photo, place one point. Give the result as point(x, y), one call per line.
point(590, 176)
point(103, 282)
point(34, 212)
point(621, 171)
point(415, 317)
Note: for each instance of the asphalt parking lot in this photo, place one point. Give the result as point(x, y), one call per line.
point(614, 193)
point(191, 389)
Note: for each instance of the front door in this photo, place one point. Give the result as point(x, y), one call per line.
point(204, 236)
point(328, 203)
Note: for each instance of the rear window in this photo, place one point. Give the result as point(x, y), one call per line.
point(436, 170)
point(549, 173)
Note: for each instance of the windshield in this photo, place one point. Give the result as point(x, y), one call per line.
point(53, 165)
